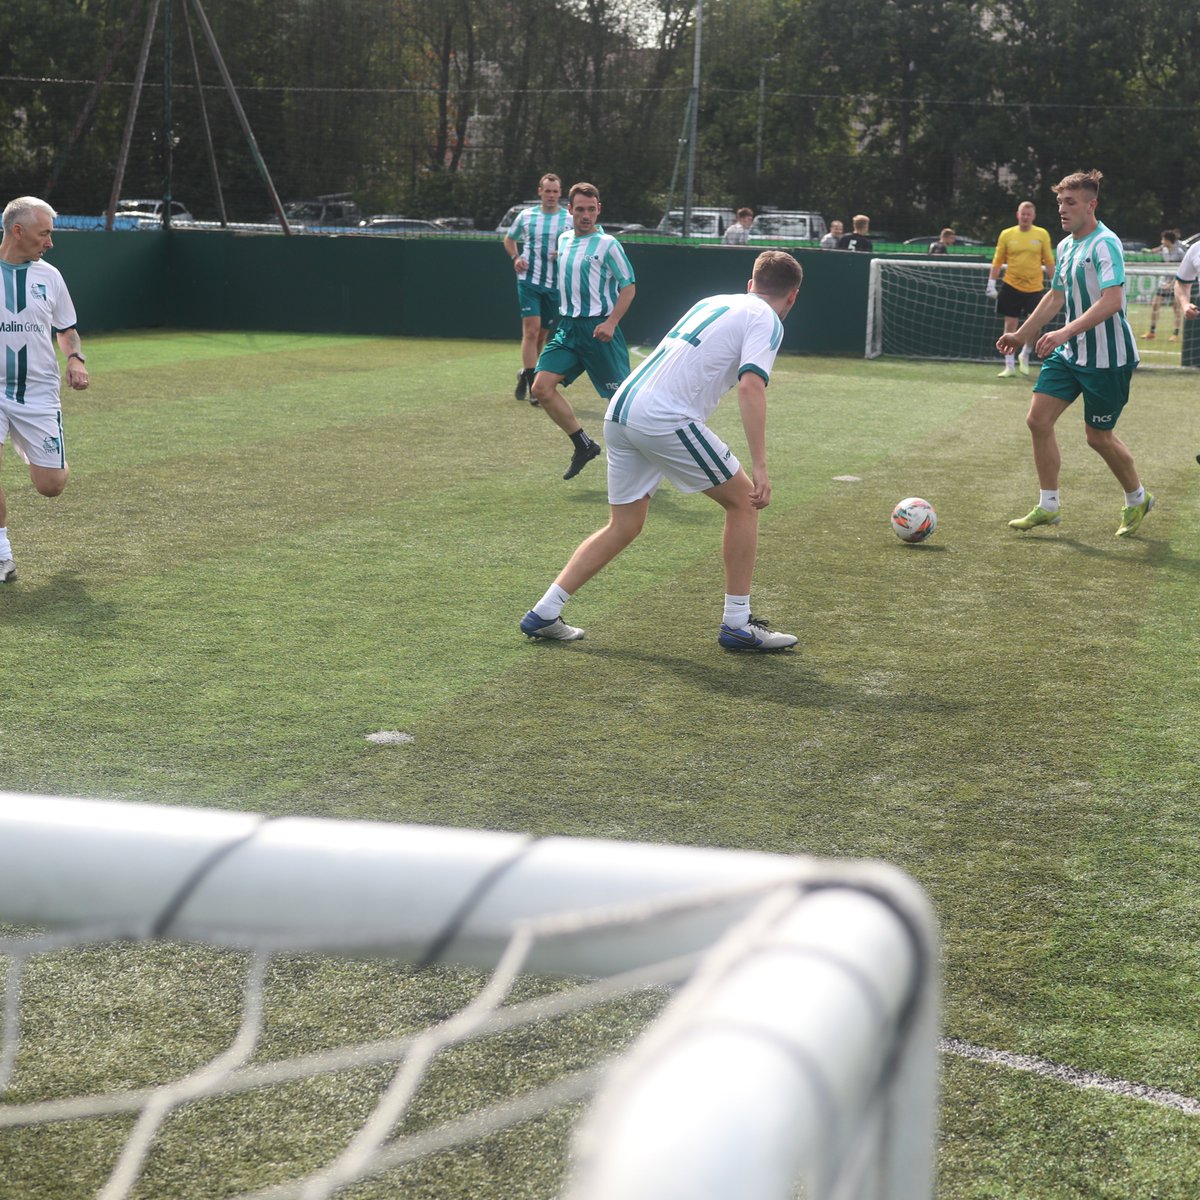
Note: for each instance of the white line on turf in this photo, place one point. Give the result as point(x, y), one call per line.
point(1069, 1075)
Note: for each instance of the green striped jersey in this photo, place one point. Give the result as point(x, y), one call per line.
point(591, 271)
point(708, 351)
point(36, 303)
point(536, 232)
point(1086, 266)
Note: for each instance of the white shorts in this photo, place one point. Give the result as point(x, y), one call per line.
point(36, 436)
point(693, 458)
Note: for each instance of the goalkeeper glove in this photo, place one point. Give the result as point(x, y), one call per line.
point(991, 288)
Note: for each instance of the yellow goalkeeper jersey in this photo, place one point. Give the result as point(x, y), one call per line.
point(1023, 255)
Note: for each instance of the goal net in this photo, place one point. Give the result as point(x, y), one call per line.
point(940, 310)
point(209, 1004)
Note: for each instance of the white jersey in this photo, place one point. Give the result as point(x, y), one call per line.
point(683, 380)
point(36, 305)
point(591, 271)
point(1086, 266)
point(1189, 269)
point(536, 232)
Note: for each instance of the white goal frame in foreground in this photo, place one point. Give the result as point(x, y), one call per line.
point(800, 1050)
point(938, 308)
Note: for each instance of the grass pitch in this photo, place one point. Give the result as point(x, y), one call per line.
point(273, 546)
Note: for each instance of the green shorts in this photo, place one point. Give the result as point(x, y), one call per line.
point(573, 350)
point(538, 301)
point(1105, 390)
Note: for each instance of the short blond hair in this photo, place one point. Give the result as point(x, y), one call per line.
point(861, 223)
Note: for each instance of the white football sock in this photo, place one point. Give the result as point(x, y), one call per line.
point(1049, 500)
point(1010, 360)
point(551, 604)
point(737, 612)
point(1138, 497)
point(5, 548)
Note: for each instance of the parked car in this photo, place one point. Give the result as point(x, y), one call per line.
point(458, 224)
point(386, 223)
point(776, 224)
point(509, 217)
point(1133, 245)
point(959, 240)
point(149, 212)
point(706, 223)
point(336, 209)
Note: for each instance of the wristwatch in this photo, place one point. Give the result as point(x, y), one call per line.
point(76, 354)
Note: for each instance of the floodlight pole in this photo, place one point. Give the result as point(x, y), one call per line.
point(690, 182)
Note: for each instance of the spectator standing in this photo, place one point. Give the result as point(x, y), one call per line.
point(831, 239)
point(944, 242)
point(738, 234)
point(860, 239)
point(1172, 251)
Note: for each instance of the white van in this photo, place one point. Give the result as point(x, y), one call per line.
point(706, 223)
point(513, 213)
point(776, 225)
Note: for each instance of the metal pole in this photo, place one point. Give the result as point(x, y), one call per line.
point(259, 162)
point(690, 184)
point(131, 117)
point(208, 141)
point(168, 133)
point(762, 96)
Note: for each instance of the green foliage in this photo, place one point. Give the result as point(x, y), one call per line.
point(919, 112)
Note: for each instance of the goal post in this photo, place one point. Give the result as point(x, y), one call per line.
point(938, 308)
point(800, 1048)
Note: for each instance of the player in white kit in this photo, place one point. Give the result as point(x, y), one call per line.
point(35, 312)
point(655, 428)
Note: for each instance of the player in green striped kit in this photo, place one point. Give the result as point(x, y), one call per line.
point(595, 290)
point(1094, 353)
point(532, 244)
point(35, 312)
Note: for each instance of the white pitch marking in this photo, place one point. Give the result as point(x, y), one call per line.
point(847, 479)
point(1069, 1075)
point(390, 737)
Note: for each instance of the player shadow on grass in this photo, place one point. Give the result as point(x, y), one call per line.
point(1158, 549)
point(62, 604)
point(781, 678)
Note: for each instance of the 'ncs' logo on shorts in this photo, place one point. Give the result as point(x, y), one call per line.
point(51, 445)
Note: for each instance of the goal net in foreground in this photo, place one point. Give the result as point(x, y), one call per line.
point(202, 1003)
point(940, 310)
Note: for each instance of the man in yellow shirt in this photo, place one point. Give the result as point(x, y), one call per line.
point(1026, 254)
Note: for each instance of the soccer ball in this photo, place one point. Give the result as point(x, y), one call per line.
point(913, 520)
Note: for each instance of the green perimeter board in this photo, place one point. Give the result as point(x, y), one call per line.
point(424, 287)
point(431, 287)
point(117, 280)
